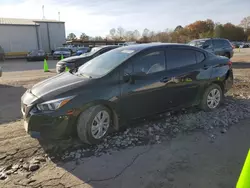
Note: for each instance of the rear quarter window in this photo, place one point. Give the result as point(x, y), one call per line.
point(227, 43)
point(199, 56)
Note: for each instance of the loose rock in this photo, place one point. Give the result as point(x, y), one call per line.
point(26, 166)
point(40, 158)
point(33, 167)
point(3, 176)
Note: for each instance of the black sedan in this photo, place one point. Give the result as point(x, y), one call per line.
point(77, 61)
point(124, 84)
point(36, 55)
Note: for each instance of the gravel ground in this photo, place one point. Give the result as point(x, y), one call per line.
point(23, 158)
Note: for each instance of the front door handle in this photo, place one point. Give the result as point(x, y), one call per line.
point(206, 67)
point(164, 80)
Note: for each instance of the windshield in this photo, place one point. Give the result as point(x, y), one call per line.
point(197, 43)
point(105, 63)
point(62, 49)
point(92, 51)
point(83, 48)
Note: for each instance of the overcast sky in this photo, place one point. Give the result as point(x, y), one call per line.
point(97, 17)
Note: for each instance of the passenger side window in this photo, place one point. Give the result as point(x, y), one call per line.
point(150, 63)
point(177, 58)
point(199, 57)
point(218, 43)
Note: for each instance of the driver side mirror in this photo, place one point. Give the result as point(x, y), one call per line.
point(205, 46)
point(128, 78)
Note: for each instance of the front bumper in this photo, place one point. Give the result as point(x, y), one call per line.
point(46, 125)
point(58, 56)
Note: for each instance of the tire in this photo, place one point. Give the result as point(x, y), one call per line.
point(227, 55)
point(86, 123)
point(207, 106)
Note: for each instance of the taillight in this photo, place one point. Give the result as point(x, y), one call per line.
point(230, 63)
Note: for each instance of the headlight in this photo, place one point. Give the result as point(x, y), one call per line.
point(53, 104)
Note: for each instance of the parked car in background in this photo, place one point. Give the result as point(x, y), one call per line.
point(1, 71)
point(82, 50)
point(245, 45)
point(62, 51)
point(36, 55)
point(77, 61)
point(2, 54)
point(124, 84)
point(218, 46)
point(236, 44)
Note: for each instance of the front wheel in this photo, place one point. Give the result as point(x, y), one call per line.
point(94, 124)
point(211, 98)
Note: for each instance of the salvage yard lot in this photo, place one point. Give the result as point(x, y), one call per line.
point(188, 148)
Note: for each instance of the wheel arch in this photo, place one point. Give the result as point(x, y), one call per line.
point(110, 105)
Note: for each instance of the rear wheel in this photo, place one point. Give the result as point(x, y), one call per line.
point(94, 124)
point(211, 98)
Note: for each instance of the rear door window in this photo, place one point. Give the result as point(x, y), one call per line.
point(218, 43)
point(177, 58)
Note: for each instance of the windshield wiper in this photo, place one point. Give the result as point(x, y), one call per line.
point(84, 75)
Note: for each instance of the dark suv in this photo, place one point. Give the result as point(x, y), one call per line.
point(123, 84)
point(218, 46)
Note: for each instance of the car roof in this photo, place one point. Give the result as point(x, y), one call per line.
point(107, 46)
point(140, 47)
point(209, 39)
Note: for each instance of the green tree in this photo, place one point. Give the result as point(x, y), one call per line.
point(71, 36)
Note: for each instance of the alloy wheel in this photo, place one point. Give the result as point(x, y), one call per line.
point(100, 124)
point(213, 98)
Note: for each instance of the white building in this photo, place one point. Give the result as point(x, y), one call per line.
point(19, 36)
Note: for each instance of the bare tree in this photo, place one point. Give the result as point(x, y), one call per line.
point(136, 34)
point(145, 32)
point(245, 23)
point(112, 33)
point(84, 37)
point(129, 36)
point(120, 33)
point(98, 38)
point(145, 35)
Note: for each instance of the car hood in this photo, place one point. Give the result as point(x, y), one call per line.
point(61, 52)
point(57, 85)
point(71, 59)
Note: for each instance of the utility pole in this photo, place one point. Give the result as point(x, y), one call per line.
point(59, 16)
point(43, 12)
